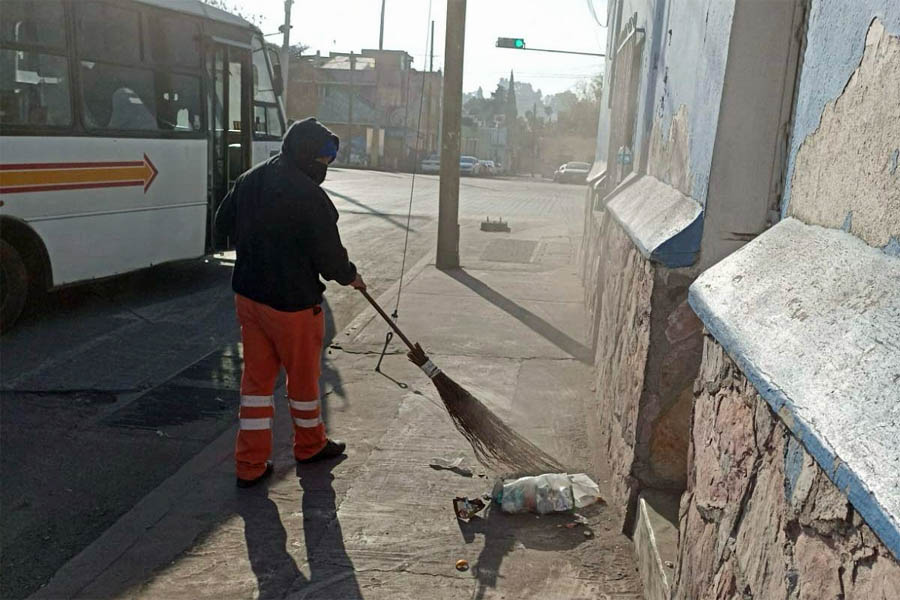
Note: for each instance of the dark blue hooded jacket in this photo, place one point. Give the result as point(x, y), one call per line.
point(284, 226)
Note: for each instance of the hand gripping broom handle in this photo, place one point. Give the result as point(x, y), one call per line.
point(388, 319)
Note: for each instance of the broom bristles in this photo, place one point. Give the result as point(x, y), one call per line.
point(495, 443)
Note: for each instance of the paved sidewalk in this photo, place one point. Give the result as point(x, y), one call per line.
point(510, 327)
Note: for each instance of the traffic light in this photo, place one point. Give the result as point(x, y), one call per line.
point(505, 42)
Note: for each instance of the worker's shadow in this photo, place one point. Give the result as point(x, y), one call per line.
point(503, 532)
point(331, 571)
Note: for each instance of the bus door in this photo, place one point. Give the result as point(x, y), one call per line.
point(230, 87)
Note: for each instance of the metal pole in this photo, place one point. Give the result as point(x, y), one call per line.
point(350, 111)
point(562, 51)
point(448, 212)
point(431, 62)
point(381, 31)
point(533, 137)
point(286, 55)
point(432, 143)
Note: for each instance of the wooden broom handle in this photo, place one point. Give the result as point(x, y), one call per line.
point(387, 318)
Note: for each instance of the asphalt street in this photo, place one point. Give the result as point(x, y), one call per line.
point(108, 388)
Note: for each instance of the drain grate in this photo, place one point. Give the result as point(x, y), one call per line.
point(515, 251)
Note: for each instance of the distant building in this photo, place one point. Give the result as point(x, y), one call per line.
point(486, 143)
point(373, 101)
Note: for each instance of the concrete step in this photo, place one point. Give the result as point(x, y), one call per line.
point(656, 541)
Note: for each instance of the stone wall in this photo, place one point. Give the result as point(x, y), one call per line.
point(621, 284)
point(676, 346)
point(648, 345)
point(760, 519)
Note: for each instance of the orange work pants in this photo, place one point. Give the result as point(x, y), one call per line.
point(273, 338)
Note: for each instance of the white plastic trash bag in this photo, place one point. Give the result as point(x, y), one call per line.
point(551, 492)
point(584, 490)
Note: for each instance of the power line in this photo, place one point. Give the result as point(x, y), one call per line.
point(593, 12)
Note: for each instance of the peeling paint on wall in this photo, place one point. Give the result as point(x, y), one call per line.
point(692, 73)
point(670, 155)
point(835, 42)
point(845, 165)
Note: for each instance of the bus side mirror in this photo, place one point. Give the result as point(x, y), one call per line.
point(277, 82)
point(277, 79)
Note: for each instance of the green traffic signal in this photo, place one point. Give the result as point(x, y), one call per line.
point(505, 42)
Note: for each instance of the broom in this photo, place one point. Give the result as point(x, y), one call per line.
point(494, 442)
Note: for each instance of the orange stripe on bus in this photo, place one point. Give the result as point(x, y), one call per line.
point(55, 176)
point(34, 177)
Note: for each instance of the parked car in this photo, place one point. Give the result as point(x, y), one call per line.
point(572, 172)
point(430, 164)
point(488, 168)
point(469, 165)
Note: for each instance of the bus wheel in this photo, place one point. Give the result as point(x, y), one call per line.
point(13, 285)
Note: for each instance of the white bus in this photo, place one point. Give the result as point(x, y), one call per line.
point(122, 126)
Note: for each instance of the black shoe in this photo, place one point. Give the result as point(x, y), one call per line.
point(245, 483)
point(332, 448)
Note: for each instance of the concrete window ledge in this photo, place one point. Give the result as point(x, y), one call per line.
point(598, 169)
point(664, 224)
point(811, 316)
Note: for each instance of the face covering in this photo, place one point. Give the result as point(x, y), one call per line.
point(316, 171)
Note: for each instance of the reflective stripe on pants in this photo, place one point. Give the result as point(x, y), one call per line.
point(272, 338)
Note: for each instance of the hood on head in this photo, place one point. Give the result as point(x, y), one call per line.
point(304, 140)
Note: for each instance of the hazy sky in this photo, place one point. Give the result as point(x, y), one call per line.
point(344, 25)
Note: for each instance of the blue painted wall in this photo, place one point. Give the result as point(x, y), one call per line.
point(835, 42)
point(684, 67)
point(692, 73)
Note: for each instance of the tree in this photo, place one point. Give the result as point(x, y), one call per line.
point(298, 49)
point(511, 110)
point(511, 118)
point(591, 90)
point(230, 6)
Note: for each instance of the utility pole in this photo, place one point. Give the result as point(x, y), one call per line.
point(350, 111)
point(448, 211)
point(431, 61)
point(533, 137)
point(428, 142)
point(381, 31)
point(286, 54)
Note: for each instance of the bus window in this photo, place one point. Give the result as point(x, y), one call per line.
point(262, 80)
point(273, 119)
point(178, 102)
point(34, 89)
point(117, 97)
point(34, 80)
point(234, 95)
point(105, 30)
point(36, 23)
point(267, 122)
point(130, 99)
point(259, 120)
point(174, 41)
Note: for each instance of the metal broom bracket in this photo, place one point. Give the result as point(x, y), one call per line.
point(387, 341)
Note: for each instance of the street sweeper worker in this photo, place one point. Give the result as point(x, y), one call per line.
point(284, 229)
